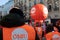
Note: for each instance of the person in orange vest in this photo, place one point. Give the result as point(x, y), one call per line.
point(52, 33)
point(14, 28)
point(53, 36)
point(38, 27)
point(49, 30)
point(38, 14)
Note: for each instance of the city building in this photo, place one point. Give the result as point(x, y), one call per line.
point(5, 6)
point(25, 5)
point(52, 5)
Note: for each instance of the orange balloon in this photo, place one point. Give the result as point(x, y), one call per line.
point(39, 12)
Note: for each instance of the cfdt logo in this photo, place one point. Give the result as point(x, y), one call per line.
point(33, 10)
point(19, 34)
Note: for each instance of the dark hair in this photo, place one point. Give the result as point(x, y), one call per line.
point(18, 11)
point(12, 20)
point(49, 28)
point(58, 23)
point(57, 27)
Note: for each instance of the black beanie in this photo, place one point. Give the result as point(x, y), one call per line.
point(18, 11)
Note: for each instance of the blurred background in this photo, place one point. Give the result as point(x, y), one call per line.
point(25, 5)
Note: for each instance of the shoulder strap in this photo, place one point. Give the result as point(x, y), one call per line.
point(1, 34)
point(36, 37)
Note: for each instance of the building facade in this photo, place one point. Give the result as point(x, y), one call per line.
point(52, 5)
point(5, 8)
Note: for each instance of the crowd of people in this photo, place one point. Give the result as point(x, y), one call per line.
point(14, 27)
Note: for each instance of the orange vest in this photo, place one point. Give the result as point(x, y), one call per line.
point(39, 32)
point(53, 36)
point(24, 32)
point(38, 28)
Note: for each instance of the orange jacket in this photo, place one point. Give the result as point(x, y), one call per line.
point(24, 32)
point(53, 35)
point(39, 32)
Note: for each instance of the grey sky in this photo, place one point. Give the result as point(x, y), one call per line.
point(2, 2)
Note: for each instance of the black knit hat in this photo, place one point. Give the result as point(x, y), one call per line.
point(12, 20)
point(18, 11)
